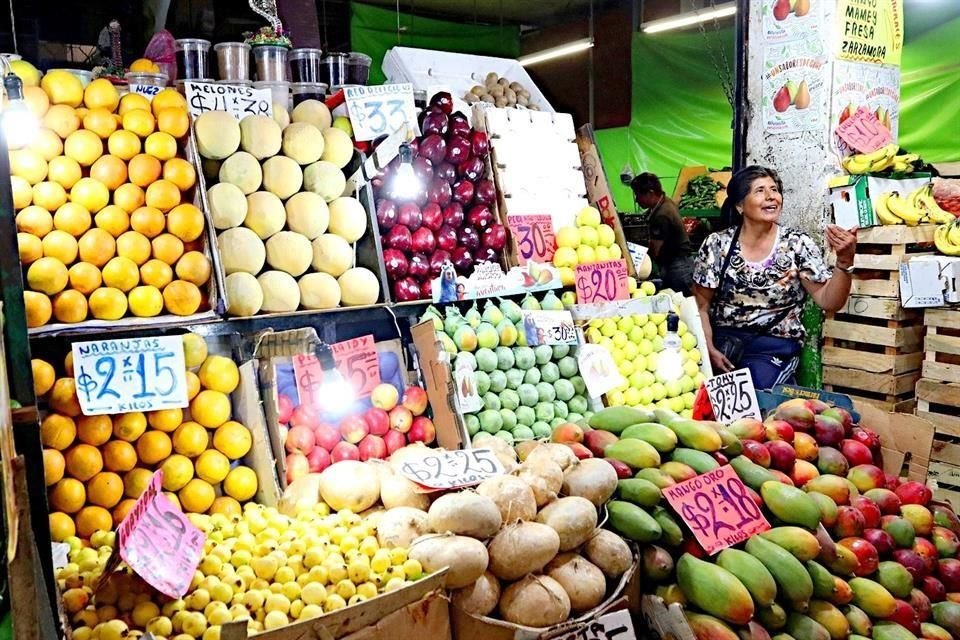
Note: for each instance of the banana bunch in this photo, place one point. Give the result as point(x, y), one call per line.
point(916, 208)
point(881, 160)
point(922, 199)
point(947, 238)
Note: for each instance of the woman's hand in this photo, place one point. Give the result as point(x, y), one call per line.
point(719, 361)
point(844, 244)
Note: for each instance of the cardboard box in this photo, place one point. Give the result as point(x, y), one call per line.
point(853, 203)
point(906, 441)
point(930, 281)
point(434, 364)
point(428, 617)
point(683, 182)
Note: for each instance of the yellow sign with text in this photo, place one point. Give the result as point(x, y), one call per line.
point(870, 31)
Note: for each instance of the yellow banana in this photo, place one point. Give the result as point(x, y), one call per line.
point(884, 152)
point(903, 210)
point(883, 213)
point(953, 232)
point(902, 167)
point(925, 202)
point(941, 239)
point(855, 166)
point(881, 165)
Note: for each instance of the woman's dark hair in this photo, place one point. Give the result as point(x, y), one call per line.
point(646, 183)
point(739, 187)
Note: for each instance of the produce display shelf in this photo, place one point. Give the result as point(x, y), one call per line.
point(880, 251)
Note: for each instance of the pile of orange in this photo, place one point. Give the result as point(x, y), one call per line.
point(97, 466)
point(105, 224)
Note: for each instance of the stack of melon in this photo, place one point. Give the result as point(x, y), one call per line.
point(286, 229)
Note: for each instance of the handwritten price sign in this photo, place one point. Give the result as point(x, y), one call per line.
point(308, 374)
point(453, 469)
point(549, 327)
point(611, 626)
point(158, 542)
point(717, 508)
point(137, 374)
point(380, 110)
point(602, 282)
point(864, 132)
point(733, 396)
point(146, 90)
point(358, 364)
point(533, 235)
point(234, 99)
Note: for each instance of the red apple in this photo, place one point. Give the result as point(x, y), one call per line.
point(305, 416)
point(422, 430)
point(384, 396)
point(394, 440)
point(378, 421)
point(354, 429)
point(401, 419)
point(319, 459)
point(297, 466)
point(284, 408)
point(372, 447)
point(326, 436)
point(415, 399)
point(299, 440)
point(344, 451)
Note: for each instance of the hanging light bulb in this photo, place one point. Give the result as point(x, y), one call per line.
point(670, 360)
point(335, 395)
point(19, 123)
point(405, 184)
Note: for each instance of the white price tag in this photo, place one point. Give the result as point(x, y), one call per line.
point(61, 554)
point(733, 396)
point(236, 100)
point(381, 110)
point(453, 469)
point(598, 369)
point(549, 327)
point(616, 625)
point(135, 374)
point(147, 90)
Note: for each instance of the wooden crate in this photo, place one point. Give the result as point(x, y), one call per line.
point(942, 345)
point(880, 250)
point(939, 402)
point(885, 391)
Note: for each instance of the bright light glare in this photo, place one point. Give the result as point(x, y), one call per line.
point(669, 365)
point(556, 52)
point(405, 182)
point(335, 394)
point(20, 124)
point(689, 19)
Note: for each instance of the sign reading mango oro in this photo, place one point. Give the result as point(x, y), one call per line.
point(717, 508)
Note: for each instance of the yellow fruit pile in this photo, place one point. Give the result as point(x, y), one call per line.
point(260, 566)
point(97, 466)
point(105, 226)
point(590, 241)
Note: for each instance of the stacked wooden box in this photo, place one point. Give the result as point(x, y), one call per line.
point(873, 347)
point(938, 397)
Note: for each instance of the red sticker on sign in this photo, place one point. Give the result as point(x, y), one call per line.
point(358, 364)
point(602, 282)
point(533, 235)
point(717, 508)
point(864, 132)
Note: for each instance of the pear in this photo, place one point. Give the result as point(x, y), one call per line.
point(521, 334)
point(511, 310)
point(551, 302)
point(508, 333)
point(473, 317)
point(452, 321)
point(530, 303)
point(492, 313)
point(803, 96)
point(792, 90)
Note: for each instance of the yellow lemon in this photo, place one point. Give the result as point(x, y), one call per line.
point(210, 408)
point(101, 94)
point(232, 439)
point(108, 303)
point(219, 373)
point(212, 466)
point(241, 483)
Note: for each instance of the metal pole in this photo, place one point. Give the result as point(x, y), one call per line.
point(741, 113)
point(590, 83)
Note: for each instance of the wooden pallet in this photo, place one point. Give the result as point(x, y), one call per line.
point(875, 335)
point(880, 251)
point(939, 402)
point(887, 391)
point(942, 345)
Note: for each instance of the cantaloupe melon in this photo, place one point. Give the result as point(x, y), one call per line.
point(358, 286)
point(228, 205)
point(244, 295)
point(280, 115)
point(280, 292)
point(324, 179)
point(314, 112)
point(348, 219)
point(265, 214)
point(307, 214)
point(243, 170)
point(290, 252)
point(337, 147)
point(282, 176)
point(302, 142)
point(332, 254)
point(260, 135)
point(241, 250)
point(217, 133)
point(319, 291)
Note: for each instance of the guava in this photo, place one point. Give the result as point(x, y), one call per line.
point(498, 381)
point(509, 399)
point(528, 395)
point(546, 392)
point(505, 359)
point(486, 358)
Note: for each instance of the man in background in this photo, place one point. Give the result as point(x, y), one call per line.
point(669, 244)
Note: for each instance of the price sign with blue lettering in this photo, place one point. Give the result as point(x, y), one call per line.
point(235, 99)
point(381, 110)
point(604, 281)
point(533, 235)
point(134, 374)
point(549, 328)
point(146, 90)
point(453, 469)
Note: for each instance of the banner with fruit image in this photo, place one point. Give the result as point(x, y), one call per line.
point(785, 20)
point(870, 31)
point(855, 85)
point(794, 87)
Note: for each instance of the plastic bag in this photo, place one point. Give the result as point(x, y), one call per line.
point(947, 194)
point(162, 49)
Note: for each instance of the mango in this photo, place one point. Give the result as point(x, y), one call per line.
point(823, 581)
point(678, 471)
point(797, 412)
point(828, 508)
point(752, 474)
point(946, 542)
point(671, 594)
point(934, 631)
point(706, 627)
point(665, 416)
point(657, 563)
point(617, 419)
point(858, 620)
point(790, 504)
point(773, 617)
point(834, 487)
point(671, 533)
point(831, 461)
point(754, 631)
point(804, 627)
point(801, 543)
point(854, 636)
point(792, 579)
point(656, 476)
point(901, 531)
point(660, 437)
point(842, 593)
point(636, 454)
point(714, 589)
point(697, 460)
point(751, 573)
point(895, 578)
point(697, 435)
point(731, 443)
point(830, 618)
point(639, 491)
point(944, 516)
point(783, 636)
point(891, 631)
point(748, 429)
point(870, 596)
point(632, 522)
point(947, 615)
point(843, 562)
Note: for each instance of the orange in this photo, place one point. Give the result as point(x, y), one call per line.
point(121, 273)
point(91, 194)
point(135, 246)
point(145, 65)
point(119, 456)
point(174, 500)
point(193, 385)
point(83, 146)
point(85, 278)
point(63, 87)
point(212, 466)
point(61, 526)
point(173, 120)
point(210, 408)
point(48, 144)
point(100, 121)
point(49, 195)
point(107, 303)
point(227, 506)
point(194, 350)
point(219, 373)
point(196, 496)
point(68, 364)
point(180, 172)
point(72, 218)
point(232, 439)
point(49, 276)
point(35, 220)
point(156, 273)
point(121, 511)
point(63, 397)
point(94, 430)
point(30, 247)
point(144, 170)
point(136, 482)
point(38, 308)
point(194, 267)
point(190, 439)
point(60, 245)
point(92, 519)
point(185, 222)
point(65, 171)
point(57, 431)
point(112, 218)
point(53, 466)
point(28, 164)
point(168, 98)
point(160, 145)
point(149, 221)
point(36, 98)
point(165, 419)
point(110, 170)
point(145, 301)
point(83, 462)
point(105, 489)
point(43, 376)
point(97, 247)
point(63, 120)
point(167, 247)
point(22, 192)
point(154, 447)
point(101, 94)
point(163, 195)
point(129, 197)
point(68, 495)
point(139, 121)
point(123, 144)
point(182, 298)
point(133, 101)
point(70, 306)
point(177, 472)
point(241, 483)
point(129, 426)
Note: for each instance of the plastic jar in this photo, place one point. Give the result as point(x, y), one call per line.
point(307, 91)
point(280, 91)
point(305, 65)
point(333, 69)
point(358, 68)
point(271, 62)
point(233, 60)
point(192, 59)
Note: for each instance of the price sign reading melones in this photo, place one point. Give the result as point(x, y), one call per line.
point(616, 625)
point(533, 235)
point(864, 132)
point(602, 282)
point(357, 362)
point(549, 328)
point(717, 508)
point(135, 374)
point(733, 396)
point(380, 110)
point(235, 99)
point(453, 469)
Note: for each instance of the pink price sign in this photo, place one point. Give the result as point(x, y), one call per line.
point(308, 374)
point(357, 362)
point(533, 235)
point(717, 508)
point(864, 132)
point(158, 542)
point(602, 282)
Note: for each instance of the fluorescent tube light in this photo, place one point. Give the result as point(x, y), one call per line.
point(556, 52)
point(690, 18)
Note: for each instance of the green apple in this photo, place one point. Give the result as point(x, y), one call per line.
point(343, 123)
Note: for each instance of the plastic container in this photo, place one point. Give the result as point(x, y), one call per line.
point(144, 78)
point(193, 61)
point(358, 68)
point(233, 60)
point(85, 77)
point(333, 69)
point(235, 83)
point(280, 91)
point(271, 62)
point(301, 91)
point(305, 65)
